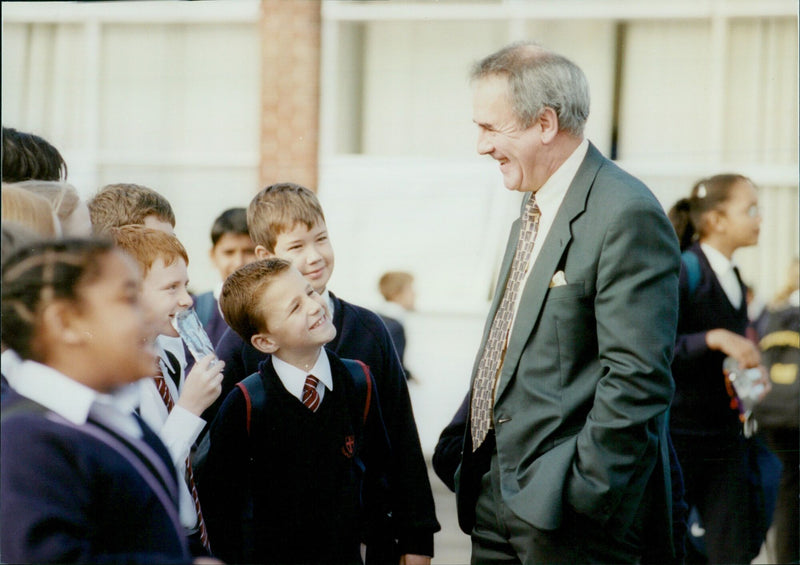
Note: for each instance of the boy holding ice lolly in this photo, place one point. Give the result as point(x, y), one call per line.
point(172, 403)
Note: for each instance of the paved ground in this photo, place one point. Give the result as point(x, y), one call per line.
point(452, 547)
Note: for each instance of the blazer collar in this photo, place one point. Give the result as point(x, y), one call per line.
point(553, 249)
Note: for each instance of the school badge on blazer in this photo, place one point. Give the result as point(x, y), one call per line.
point(349, 446)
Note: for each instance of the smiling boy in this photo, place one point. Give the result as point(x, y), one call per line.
point(286, 221)
point(283, 474)
point(171, 404)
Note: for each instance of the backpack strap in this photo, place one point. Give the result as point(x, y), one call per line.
point(692, 264)
point(363, 381)
point(255, 394)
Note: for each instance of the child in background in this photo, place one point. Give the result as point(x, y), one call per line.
point(231, 248)
point(397, 289)
point(284, 487)
point(286, 221)
point(82, 480)
point(720, 216)
point(171, 404)
point(125, 204)
point(29, 209)
point(72, 212)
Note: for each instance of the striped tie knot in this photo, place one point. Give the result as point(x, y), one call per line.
point(310, 393)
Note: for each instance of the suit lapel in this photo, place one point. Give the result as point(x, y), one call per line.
point(557, 241)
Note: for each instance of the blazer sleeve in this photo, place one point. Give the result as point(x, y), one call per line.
point(688, 346)
point(47, 500)
point(225, 481)
point(636, 310)
point(447, 454)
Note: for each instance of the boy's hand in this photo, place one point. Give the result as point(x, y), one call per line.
point(411, 559)
point(733, 345)
point(202, 386)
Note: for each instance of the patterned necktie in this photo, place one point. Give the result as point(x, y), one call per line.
point(310, 394)
point(494, 350)
point(166, 396)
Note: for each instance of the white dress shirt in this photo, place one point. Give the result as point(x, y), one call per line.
point(178, 429)
point(74, 401)
point(293, 378)
point(723, 269)
point(549, 198)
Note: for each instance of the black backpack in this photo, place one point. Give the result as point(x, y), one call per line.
point(780, 349)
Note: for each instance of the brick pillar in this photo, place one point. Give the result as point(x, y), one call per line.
point(290, 45)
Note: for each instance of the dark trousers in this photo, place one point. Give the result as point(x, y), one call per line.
point(715, 475)
point(501, 537)
point(784, 442)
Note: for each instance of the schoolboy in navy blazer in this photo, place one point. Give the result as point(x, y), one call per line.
point(286, 221)
point(360, 334)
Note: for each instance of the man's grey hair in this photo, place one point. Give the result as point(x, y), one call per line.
point(539, 79)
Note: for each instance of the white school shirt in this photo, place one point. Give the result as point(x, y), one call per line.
point(549, 198)
point(723, 269)
point(178, 429)
point(74, 401)
point(293, 379)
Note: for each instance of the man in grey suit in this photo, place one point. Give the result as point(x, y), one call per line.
point(565, 455)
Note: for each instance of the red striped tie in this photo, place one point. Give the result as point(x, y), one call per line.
point(166, 396)
point(310, 394)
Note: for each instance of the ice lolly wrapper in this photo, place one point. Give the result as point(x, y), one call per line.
point(188, 326)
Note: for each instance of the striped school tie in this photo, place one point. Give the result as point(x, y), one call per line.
point(166, 396)
point(310, 394)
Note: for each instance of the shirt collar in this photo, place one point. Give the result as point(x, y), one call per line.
point(8, 363)
point(293, 378)
point(552, 192)
point(720, 264)
point(65, 396)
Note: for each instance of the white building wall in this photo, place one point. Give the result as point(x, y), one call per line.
point(167, 94)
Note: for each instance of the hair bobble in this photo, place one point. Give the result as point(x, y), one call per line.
point(702, 192)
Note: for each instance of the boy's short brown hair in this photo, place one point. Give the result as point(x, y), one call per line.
point(392, 283)
point(277, 209)
point(124, 204)
point(146, 245)
point(240, 299)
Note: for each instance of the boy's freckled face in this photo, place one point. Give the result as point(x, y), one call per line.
point(233, 250)
point(297, 316)
point(164, 294)
point(310, 251)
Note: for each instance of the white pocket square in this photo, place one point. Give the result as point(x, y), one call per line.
point(558, 279)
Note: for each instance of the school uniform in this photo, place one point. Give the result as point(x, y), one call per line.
point(82, 480)
point(705, 429)
point(361, 334)
point(9, 360)
point(288, 490)
point(178, 429)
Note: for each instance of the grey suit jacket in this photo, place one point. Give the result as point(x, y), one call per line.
point(580, 405)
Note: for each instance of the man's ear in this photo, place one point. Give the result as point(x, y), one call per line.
point(548, 120)
point(61, 321)
point(263, 342)
point(262, 253)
